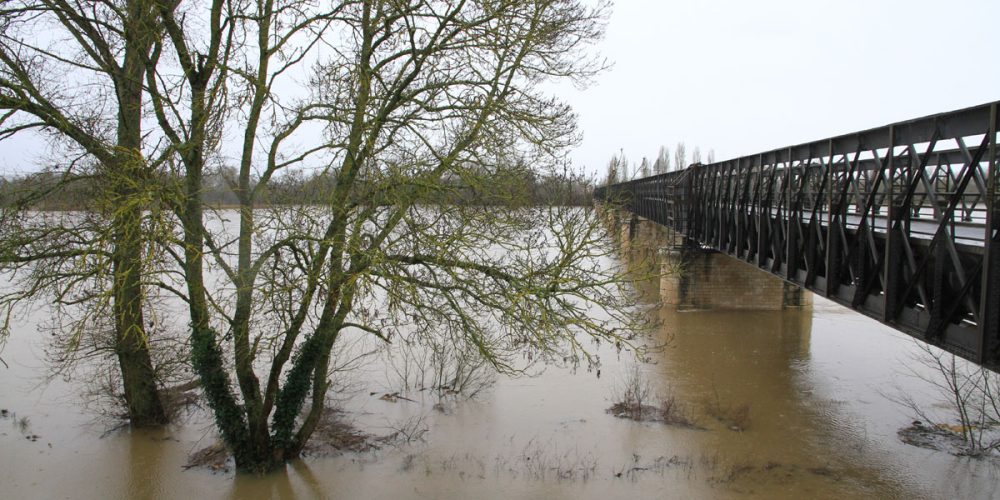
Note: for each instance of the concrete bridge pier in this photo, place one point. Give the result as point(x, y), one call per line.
point(692, 278)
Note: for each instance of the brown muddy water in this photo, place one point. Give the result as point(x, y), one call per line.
point(791, 404)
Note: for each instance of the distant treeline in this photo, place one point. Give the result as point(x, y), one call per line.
point(57, 191)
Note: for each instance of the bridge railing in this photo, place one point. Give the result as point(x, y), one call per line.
point(662, 198)
point(900, 222)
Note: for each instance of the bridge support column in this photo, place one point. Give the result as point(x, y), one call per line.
point(696, 279)
point(626, 232)
point(673, 279)
point(795, 296)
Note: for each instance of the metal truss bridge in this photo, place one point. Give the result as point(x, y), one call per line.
point(900, 223)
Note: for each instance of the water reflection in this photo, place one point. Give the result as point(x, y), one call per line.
point(767, 433)
point(144, 461)
point(276, 485)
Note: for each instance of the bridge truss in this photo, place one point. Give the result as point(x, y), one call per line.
point(900, 223)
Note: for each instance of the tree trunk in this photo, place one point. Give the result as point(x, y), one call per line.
point(127, 183)
point(139, 379)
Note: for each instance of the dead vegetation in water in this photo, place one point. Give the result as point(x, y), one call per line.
point(103, 397)
point(437, 366)
point(966, 420)
point(635, 401)
point(214, 457)
point(21, 424)
point(335, 435)
point(534, 461)
point(666, 411)
point(181, 400)
point(659, 465)
point(541, 461)
point(715, 471)
point(947, 438)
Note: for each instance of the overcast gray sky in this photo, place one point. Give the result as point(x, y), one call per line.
point(748, 76)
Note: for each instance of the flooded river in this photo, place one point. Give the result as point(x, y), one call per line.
point(788, 404)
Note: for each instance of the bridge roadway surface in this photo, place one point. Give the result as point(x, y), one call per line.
point(900, 223)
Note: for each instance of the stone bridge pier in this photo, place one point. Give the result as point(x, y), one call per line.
point(692, 278)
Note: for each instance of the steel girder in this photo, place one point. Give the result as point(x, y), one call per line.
point(900, 223)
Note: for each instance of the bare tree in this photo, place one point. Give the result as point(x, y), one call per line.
point(711, 156)
point(418, 101)
point(644, 169)
point(680, 156)
point(696, 156)
point(968, 400)
point(613, 173)
point(662, 163)
point(623, 167)
point(74, 71)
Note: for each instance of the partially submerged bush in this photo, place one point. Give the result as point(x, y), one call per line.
point(635, 401)
point(970, 397)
